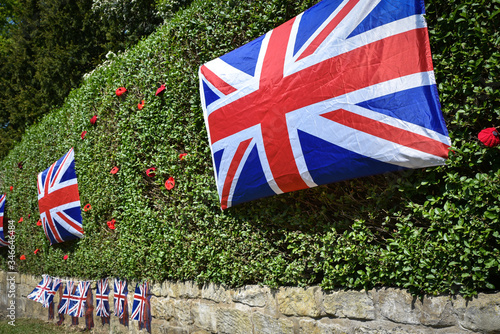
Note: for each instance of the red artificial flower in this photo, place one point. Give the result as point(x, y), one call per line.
point(21, 220)
point(120, 91)
point(92, 121)
point(141, 105)
point(114, 170)
point(22, 257)
point(170, 183)
point(20, 165)
point(29, 215)
point(36, 251)
point(87, 207)
point(111, 224)
point(151, 172)
point(84, 133)
point(11, 188)
point(489, 137)
point(160, 90)
point(39, 222)
point(65, 257)
point(11, 233)
point(182, 155)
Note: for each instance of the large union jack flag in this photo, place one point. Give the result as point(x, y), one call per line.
point(120, 297)
point(344, 90)
point(3, 242)
point(102, 298)
point(78, 300)
point(40, 292)
point(59, 200)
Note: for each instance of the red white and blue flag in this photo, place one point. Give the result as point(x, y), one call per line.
point(40, 293)
point(102, 298)
point(344, 90)
point(3, 242)
point(78, 300)
point(140, 306)
point(64, 304)
point(56, 283)
point(120, 298)
point(59, 200)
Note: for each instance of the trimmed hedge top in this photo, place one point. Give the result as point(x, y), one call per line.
point(433, 230)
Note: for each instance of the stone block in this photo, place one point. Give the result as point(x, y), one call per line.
point(436, 311)
point(310, 326)
point(253, 295)
point(397, 305)
point(231, 321)
point(265, 324)
point(299, 301)
point(204, 316)
point(349, 304)
point(216, 293)
point(483, 314)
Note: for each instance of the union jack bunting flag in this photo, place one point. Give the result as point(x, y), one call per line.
point(102, 298)
point(78, 300)
point(3, 242)
point(59, 200)
point(40, 293)
point(141, 302)
point(120, 297)
point(56, 283)
point(344, 90)
point(65, 299)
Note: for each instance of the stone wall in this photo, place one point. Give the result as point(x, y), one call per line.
point(188, 308)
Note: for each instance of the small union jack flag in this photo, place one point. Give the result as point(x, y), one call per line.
point(59, 200)
point(65, 299)
point(141, 302)
point(40, 293)
point(120, 297)
point(78, 300)
point(344, 90)
point(102, 298)
point(3, 242)
point(56, 283)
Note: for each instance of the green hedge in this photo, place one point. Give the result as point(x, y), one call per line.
point(434, 230)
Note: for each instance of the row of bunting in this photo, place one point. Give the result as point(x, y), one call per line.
point(76, 300)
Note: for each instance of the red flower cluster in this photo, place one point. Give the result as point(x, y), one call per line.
point(65, 257)
point(182, 156)
point(489, 137)
point(114, 170)
point(36, 251)
point(39, 222)
point(120, 91)
point(21, 220)
point(170, 183)
point(111, 224)
point(151, 172)
point(160, 90)
point(87, 207)
point(140, 105)
point(22, 257)
point(92, 121)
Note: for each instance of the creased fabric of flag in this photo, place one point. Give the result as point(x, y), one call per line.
point(64, 302)
point(61, 296)
point(3, 241)
point(344, 90)
point(120, 301)
point(40, 292)
point(79, 299)
point(89, 310)
point(102, 300)
point(49, 302)
point(141, 309)
point(59, 200)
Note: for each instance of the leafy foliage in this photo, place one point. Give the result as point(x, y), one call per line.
point(435, 230)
